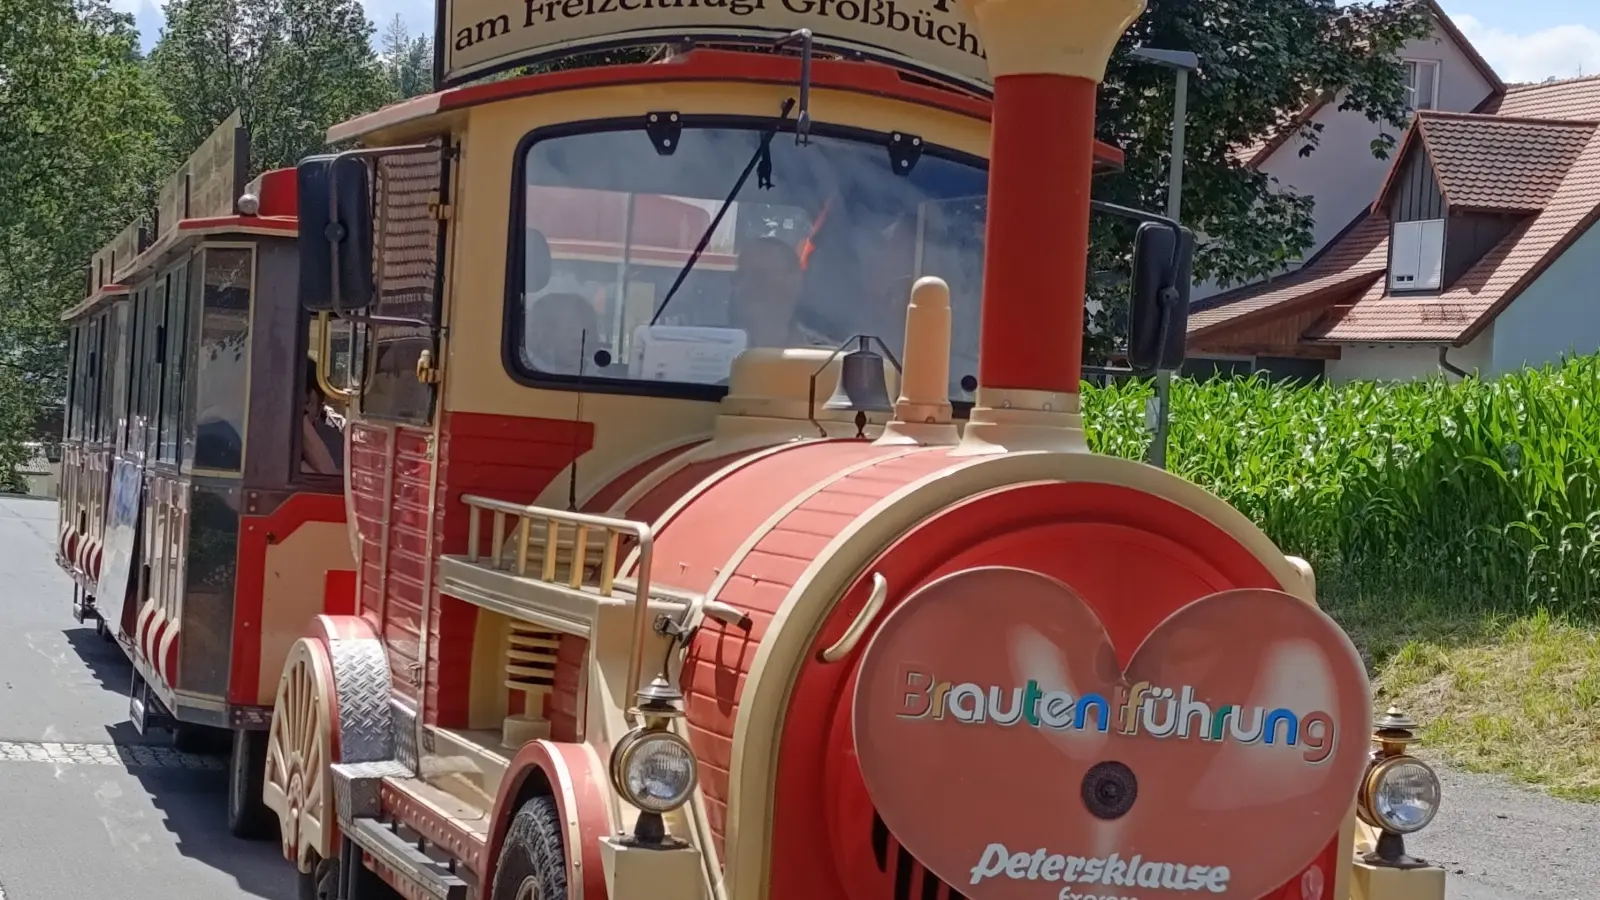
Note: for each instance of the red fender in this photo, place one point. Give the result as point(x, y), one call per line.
point(340, 628)
point(577, 780)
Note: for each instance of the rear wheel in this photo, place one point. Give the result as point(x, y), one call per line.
point(248, 817)
point(533, 861)
point(198, 739)
point(321, 883)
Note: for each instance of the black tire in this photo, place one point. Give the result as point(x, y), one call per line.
point(321, 883)
point(533, 850)
point(196, 739)
point(248, 817)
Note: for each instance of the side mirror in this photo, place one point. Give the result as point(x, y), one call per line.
point(1158, 311)
point(335, 210)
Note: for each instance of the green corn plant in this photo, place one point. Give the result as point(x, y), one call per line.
point(1485, 495)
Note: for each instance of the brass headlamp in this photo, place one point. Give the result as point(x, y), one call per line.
point(1399, 794)
point(651, 766)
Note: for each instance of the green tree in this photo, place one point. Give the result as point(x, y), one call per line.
point(407, 60)
point(292, 67)
point(75, 116)
point(1262, 61)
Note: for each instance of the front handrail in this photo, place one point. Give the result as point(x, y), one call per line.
point(582, 525)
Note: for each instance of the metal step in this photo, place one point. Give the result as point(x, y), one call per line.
point(146, 710)
point(83, 608)
point(404, 858)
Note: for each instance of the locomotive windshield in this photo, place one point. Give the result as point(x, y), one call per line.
point(822, 243)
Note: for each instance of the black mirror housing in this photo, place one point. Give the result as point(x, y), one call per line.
point(1158, 310)
point(335, 210)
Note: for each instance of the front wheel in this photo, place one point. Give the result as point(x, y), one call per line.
point(248, 817)
point(533, 861)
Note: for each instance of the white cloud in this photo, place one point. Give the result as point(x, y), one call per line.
point(1560, 52)
point(416, 14)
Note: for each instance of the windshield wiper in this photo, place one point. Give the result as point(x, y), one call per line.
point(755, 158)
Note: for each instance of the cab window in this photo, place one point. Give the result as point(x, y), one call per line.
point(821, 243)
point(320, 418)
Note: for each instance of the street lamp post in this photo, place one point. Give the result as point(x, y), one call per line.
point(1182, 62)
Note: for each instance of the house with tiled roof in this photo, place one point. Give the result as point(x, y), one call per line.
point(1340, 173)
point(1477, 252)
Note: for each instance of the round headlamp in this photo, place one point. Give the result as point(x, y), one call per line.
point(1401, 795)
point(654, 770)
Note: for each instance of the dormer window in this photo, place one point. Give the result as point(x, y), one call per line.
point(1422, 84)
point(1416, 255)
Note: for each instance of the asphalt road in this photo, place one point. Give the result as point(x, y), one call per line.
point(89, 809)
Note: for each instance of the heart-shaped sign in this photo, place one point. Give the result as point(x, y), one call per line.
point(1015, 752)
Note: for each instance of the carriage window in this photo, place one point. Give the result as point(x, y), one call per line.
point(821, 243)
point(118, 371)
point(91, 383)
point(74, 382)
point(102, 378)
point(223, 358)
point(155, 351)
point(173, 371)
point(141, 341)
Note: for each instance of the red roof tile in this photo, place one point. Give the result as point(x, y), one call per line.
point(1357, 256)
point(1574, 98)
point(1500, 164)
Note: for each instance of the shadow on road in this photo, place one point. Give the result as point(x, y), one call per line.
point(193, 804)
point(103, 657)
point(189, 791)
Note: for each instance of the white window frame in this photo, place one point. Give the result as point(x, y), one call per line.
point(1423, 242)
point(1412, 66)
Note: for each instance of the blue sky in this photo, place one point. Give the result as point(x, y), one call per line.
point(1527, 40)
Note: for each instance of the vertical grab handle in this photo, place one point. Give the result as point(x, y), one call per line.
point(852, 635)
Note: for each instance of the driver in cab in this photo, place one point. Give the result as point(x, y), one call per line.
point(767, 286)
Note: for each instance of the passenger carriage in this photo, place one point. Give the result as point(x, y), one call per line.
point(196, 535)
point(782, 570)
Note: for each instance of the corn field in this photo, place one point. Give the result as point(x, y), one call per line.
point(1484, 494)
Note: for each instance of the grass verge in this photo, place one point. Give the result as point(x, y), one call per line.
point(1499, 693)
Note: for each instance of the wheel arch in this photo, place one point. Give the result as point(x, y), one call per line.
point(573, 775)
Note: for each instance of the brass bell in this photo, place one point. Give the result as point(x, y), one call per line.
point(862, 386)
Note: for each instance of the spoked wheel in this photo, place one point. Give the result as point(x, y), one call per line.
point(296, 785)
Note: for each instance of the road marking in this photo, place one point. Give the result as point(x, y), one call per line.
point(131, 756)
